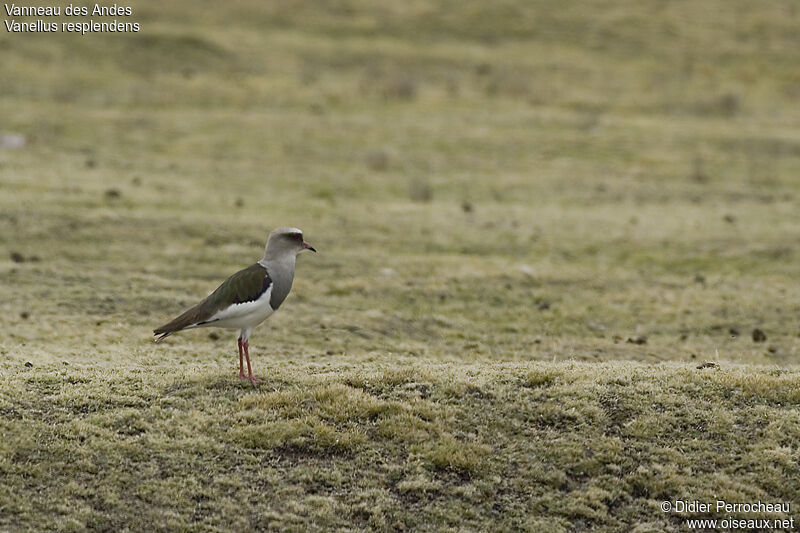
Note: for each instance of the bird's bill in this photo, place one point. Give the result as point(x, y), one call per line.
point(308, 247)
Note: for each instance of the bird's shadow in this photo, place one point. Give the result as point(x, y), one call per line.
point(189, 387)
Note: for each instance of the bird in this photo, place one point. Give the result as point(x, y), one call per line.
point(247, 298)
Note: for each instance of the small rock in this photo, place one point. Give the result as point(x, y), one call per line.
point(17, 257)
point(330, 352)
point(400, 88)
point(377, 160)
point(734, 331)
point(214, 336)
point(12, 141)
point(708, 364)
point(482, 69)
point(452, 87)
point(641, 339)
point(28, 364)
point(419, 190)
point(759, 335)
point(772, 349)
point(698, 172)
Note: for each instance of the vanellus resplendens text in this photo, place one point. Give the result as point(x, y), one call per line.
point(247, 298)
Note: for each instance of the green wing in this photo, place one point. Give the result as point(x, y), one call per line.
point(246, 285)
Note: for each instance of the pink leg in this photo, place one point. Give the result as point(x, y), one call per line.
point(241, 360)
point(250, 375)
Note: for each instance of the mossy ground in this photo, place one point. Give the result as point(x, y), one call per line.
point(429, 446)
point(534, 221)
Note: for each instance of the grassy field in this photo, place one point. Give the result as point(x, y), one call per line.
point(535, 222)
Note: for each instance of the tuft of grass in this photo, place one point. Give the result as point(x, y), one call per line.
point(451, 454)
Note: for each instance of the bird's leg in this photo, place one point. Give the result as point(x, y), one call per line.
point(241, 360)
point(250, 375)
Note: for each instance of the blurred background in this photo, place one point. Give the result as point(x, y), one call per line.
point(483, 180)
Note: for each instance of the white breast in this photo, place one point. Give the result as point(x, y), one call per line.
point(243, 315)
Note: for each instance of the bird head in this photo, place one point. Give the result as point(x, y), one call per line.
point(284, 241)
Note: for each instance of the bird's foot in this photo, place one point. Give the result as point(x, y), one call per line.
point(251, 379)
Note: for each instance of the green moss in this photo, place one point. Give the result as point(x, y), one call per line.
point(449, 453)
point(453, 457)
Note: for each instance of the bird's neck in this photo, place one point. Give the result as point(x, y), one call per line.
point(280, 269)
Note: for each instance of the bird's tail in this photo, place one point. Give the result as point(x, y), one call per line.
point(163, 335)
point(188, 319)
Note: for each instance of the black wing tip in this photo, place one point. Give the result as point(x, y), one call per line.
point(163, 336)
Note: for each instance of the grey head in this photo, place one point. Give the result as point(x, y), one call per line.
point(283, 246)
point(284, 243)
